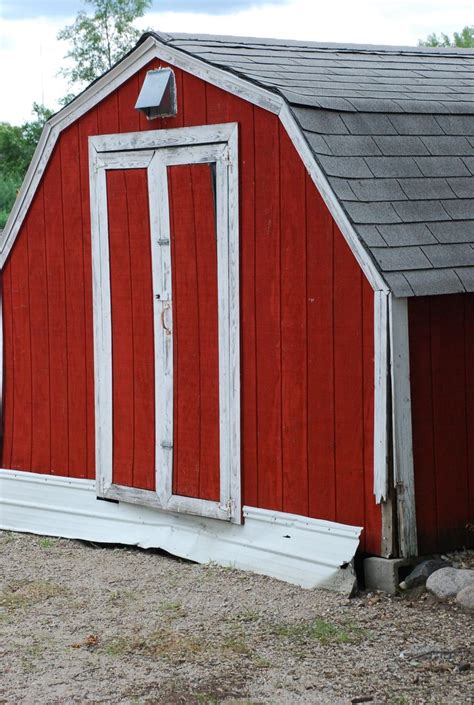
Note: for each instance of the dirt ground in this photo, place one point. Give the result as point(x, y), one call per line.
point(80, 623)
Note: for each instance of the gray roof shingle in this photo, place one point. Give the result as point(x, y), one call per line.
point(393, 131)
point(401, 234)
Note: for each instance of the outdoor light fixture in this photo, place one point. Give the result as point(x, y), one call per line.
point(158, 94)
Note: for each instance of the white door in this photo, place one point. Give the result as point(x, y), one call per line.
point(166, 318)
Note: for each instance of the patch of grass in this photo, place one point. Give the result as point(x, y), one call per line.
point(321, 631)
point(172, 610)
point(212, 565)
point(230, 688)
point(237, 644)
point(47, 542)
point(120, 595)
point(35, 649)
point(399, 700)
point(31, 652)
point(246, 616)
point(161, 643)
point(260, 662)
point(25, 593)
point(206, 699)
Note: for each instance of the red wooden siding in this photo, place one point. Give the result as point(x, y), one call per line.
point(306, 322)
point(132, 330)
point(195, 337)
point(441, 330)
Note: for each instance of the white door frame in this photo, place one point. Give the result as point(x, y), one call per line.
point(155, 151)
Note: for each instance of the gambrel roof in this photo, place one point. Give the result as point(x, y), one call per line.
point(387, 134)
point(392, 129)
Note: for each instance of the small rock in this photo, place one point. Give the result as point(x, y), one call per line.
point(464, 666)
point(423, 651)
point(465, 597)
point(422, 572)
point(442, 667)
point(447, 582)
point(373, 600)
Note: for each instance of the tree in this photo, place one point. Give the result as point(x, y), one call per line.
point(100, 40)
point(463, 39)
point(17, 145)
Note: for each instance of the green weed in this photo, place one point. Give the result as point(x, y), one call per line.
point(172, 610)
point(47, 543)
point(321, 631)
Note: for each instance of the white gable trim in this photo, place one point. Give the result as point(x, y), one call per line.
point(150, 49)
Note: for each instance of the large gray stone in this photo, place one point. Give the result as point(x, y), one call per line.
point(465, 597)
point(422, 572)
point(447, 582)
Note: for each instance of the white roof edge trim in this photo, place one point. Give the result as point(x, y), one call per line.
point(153, 48)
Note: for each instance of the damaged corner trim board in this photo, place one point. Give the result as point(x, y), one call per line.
point(306, 552)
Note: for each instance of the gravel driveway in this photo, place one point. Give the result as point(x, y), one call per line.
point(82, 624)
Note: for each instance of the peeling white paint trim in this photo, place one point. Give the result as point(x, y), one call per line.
point(381, 373)
point(402, 443)
point(306, 552)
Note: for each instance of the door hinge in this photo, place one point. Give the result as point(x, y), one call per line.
point(228, 508)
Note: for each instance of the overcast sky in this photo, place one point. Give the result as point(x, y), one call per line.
point(31, 56)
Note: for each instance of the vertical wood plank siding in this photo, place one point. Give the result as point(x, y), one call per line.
point(87, 126)
point(268, 311)
point(195, 332)
point(306, 321)
point(132, 332)
point(441, 330)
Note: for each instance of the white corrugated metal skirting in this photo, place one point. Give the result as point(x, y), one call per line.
point(296, 549)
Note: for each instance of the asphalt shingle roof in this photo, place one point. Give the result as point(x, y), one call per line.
point(393, 131)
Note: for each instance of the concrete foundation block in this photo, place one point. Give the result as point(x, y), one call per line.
point(383, 573)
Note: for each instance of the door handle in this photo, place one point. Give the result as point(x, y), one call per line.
point(166, 308)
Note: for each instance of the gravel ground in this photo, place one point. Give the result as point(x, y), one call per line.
point(80, 623)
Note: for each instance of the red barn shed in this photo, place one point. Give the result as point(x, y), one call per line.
point(237, 305)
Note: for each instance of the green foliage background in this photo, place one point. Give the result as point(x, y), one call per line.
point(96, 43)
point(17, 145)
point(463, 39)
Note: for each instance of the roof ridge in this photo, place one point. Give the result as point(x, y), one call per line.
point(322, 46)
